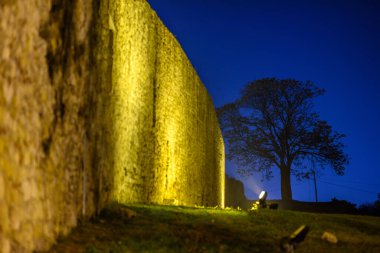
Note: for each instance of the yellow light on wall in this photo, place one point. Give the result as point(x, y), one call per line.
point(167, 146)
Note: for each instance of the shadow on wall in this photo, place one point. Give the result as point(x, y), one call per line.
point(234, 194)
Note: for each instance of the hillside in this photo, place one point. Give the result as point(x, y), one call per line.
point(142, 228)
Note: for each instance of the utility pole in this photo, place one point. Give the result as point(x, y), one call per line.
point(315, 187)
point(315, 182)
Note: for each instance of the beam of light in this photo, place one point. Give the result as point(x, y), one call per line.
point(252, 185)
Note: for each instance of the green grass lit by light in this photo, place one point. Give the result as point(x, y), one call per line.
point(195, 229)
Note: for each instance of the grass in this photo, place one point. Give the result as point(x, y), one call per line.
point(186, 229)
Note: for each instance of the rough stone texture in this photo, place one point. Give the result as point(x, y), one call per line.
point(44, 68)
point(98, 103)
point(187, 131)
point(167, 142)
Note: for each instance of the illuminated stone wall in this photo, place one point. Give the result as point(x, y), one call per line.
point(46, 146)
point(168, 145)
point(98, 103)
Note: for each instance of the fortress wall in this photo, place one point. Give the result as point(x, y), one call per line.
point(168, 145)
point(133, 74)
point(46, 151)
point(188, 161)
point(98, 103)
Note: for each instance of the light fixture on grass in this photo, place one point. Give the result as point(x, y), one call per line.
point(261, 202)
point(288, 244)
point(263, 196)
point(262, 199)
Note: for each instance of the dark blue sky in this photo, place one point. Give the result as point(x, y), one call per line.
point(335, 44)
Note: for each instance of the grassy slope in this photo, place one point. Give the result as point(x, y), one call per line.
point(180, 229)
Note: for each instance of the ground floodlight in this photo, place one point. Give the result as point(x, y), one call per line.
point(262, 198)
point(288, 244)
point(263, 195)
point(260, 203)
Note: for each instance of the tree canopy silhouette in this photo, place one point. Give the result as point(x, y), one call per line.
point(273, 124)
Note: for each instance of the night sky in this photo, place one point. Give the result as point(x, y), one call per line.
point(335, 44)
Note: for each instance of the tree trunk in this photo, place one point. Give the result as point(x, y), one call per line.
point(286, 187)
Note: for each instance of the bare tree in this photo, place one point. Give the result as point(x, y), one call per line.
point(273, 124)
